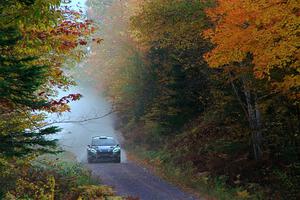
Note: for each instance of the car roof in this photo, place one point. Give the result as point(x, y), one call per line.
point(102, 137)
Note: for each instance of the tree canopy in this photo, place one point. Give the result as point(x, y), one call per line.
point(268, 31)
point(209, 87)
point(36, 37)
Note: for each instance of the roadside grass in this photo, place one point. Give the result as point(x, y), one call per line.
point(56, 177)
point(66, 165)
point(200, 184)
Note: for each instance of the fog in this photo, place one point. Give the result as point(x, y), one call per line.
point(75, 137)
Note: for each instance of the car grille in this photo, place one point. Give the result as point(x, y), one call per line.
point(104, 153)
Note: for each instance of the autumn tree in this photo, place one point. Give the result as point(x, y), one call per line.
point(257, 40)
point(268, 31)
point(37, 38)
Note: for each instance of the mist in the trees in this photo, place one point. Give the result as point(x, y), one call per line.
point(77, 128)
point(76, 136)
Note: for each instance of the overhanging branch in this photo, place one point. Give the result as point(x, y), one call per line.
point(80, 121)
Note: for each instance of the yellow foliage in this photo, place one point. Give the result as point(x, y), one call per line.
point(38, 190)
point(243, 194)
point(95, 192)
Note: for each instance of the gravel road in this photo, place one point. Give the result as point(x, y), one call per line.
point(129, 179)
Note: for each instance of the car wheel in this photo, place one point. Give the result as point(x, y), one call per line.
point(118, 160)
point(90, 160)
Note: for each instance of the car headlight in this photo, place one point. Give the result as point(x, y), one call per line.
point(93, 150)
point(116, 149)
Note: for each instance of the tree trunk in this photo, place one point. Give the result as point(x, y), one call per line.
point(254, 119)
point(256, 134)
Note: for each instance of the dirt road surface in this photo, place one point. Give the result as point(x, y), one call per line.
point(129, 179)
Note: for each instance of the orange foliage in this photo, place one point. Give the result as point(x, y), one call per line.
point(266, 30)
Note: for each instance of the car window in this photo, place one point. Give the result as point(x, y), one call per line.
point(103, 142)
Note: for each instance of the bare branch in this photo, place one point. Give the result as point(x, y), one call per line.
point(237, 95)
point(80, 121)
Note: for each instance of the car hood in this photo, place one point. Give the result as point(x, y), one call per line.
point(104, 148)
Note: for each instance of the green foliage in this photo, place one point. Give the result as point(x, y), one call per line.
point(24, 143)
point(168, 84)
point(36, 38)
point(49, 178)
point(171, 25)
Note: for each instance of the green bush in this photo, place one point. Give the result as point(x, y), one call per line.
point(52, 177)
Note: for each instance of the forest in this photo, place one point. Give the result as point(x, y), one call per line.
point(206, 91)
point(37, 38)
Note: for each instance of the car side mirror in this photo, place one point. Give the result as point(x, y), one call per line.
point(89, 145)
point(118, 145)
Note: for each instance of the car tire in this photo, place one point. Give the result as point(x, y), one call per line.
point(118, 160)
point(90, 160)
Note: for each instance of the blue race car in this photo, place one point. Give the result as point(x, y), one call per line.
point(103, 148)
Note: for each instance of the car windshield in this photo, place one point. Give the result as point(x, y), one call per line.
point(103, 142)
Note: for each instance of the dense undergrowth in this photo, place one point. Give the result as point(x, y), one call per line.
point(214, 164)
point(50, 177)
point(201, 184)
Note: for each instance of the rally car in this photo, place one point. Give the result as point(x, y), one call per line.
point(103, 148)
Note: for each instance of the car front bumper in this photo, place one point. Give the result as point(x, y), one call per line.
point(104, 155)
